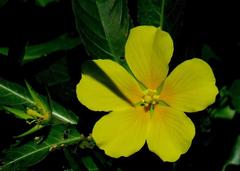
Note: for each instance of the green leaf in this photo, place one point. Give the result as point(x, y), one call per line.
point(4, 51)
point(149, 12)
point(64, 42)
point(234, 158)
point(41, 105)
point(31, 153)
point(32, 52)
point(235, 94)
point(103, 26)
point(208, 53)
point(55, 74)
point(89, 163)
point(18, 113)
point(30, 131)
point(44, 3)
point(71, 160)
point(14, 95)
point(223, 113)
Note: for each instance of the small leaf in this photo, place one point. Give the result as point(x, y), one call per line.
point(235, 94)
point(89, 164)
point(30, 131)
point(71, 160)
point(103, 26)
point(44, 3)
point(223, 113)
point(208, 53)
point(4, 51)
point(20, 157)
point(19, 113)
point(14, 95)
point(41, 105)
point(234, 158)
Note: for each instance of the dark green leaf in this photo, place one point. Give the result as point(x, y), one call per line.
point(44, 3)
point(149, 12)
point(208, 53)
point(89, 163)
point(3, 2)
point(71, 160)
point(31, 153)
point(33, 52)
point(12, 94)
point(102, 158)
point(55, 74)
point(235, 94)
point(234, 158)
point(103, 26)
point(63, 42)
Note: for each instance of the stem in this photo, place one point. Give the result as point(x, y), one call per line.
point(162, 13)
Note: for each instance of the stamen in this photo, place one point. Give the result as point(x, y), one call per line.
point(150, 99)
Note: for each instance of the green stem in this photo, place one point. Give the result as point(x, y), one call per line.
point(162, 13)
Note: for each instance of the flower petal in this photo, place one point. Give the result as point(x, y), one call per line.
point(121, 133)
point(170, 133)
point(106, 86)
point(190, 87)
point(148, 51)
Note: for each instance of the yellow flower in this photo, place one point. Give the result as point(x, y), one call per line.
point(149, 106)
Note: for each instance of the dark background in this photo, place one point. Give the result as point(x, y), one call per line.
point(204, 22)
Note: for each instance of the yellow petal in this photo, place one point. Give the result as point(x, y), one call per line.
point(190, 87)
point(148, 51)
point(121, 133)
point(170, 133)
point(106, 86)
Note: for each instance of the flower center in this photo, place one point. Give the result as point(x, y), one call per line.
point(150, 99)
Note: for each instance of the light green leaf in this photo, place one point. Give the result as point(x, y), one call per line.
point(235, 94)
point(18, 113)
point(223, 113)
point(103, 26)
point(20, 157)
point(30, 131)
point(4, 51)
point(234, 158)
point(14, 95)
point(41, 105)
